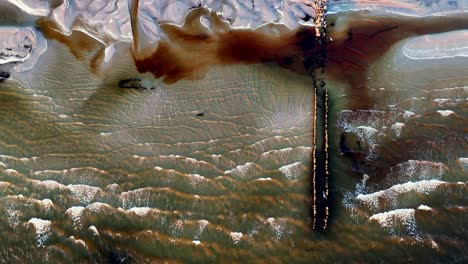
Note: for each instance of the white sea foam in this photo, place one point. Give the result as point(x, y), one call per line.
point(263, 144)
point(399, 217)
point(448, 101)
point(372, 200)
point(196, 178)
point(75, 213)
point(49, 184)
point(47, 204)
point(10, 171)
point(424, 207)
point(43, 230)
point(408, 114)
point(264, 179)
point(242, 170)
point(177, 228)
point(445, 112)
point(278, 226)
point(141, 211)
point(366, 134)
point(349, 200)
point(136, 197)
point(96, 207)
point(14, 217)
point(84, 193)
point(291, 171)
point(236, 237)
point(416, 170)
point(397, 128)
point(112, 187)
point(202, 225)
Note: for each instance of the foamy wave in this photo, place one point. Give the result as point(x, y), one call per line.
point(73, 175)
point(415, 170)
point(460, 92)
point(348, 119)
point(84, 193)
point(75, 213)
point(142, 211)
point(4, 184)
point(236, 237)
point(14, 217)
point(278, 226)
point(7, 157)
point(445, 112)
point(424, 207)
point(285, 155)
point(196, 178)
point(202, 225)
point(292, 171)
point(97, 207)
point(349, 197)
point(373, 200)
point(408, 114)
point(243, 170)
point(137, 196)
point(264, 179)
point(12, 202)
point(43, 230)
point(49, 184)
point(46, 204)
point(397, 128)
point(395, 218)
point(448, 101)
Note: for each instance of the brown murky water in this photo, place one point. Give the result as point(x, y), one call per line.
point(213, 164)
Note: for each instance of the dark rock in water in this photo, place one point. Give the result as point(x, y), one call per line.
point(4, 75)
point(130, 83)
point(201, 114)
point(133, 83)
point(355, 157)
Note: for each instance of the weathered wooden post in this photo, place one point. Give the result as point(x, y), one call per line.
point(320, 158)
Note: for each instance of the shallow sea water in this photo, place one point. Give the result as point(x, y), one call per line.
point(218, 169)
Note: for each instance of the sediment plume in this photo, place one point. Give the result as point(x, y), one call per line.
point(190, 50)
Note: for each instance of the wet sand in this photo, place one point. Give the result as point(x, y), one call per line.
point(93, 172)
